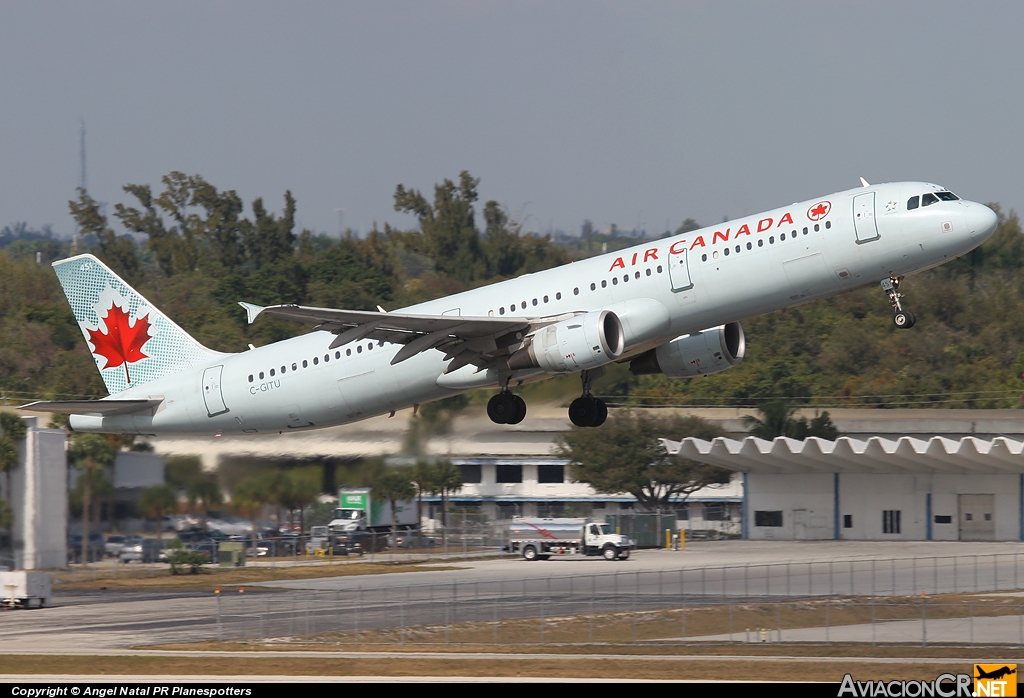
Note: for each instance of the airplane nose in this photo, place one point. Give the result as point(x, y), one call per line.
point(981, 221)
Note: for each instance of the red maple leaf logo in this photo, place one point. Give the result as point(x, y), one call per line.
point(121, 344)
point(819, 210)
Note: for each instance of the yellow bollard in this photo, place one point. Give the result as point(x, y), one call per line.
point(682, 539)
point(668, 539)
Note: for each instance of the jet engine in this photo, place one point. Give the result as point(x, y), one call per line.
point(699, 354)
point(583, 342)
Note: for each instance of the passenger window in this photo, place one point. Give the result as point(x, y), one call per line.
point(316, 361)
point(501, 310)
point(805, 230)
point(593, 287)
point(576, 291)
point(828, 224)
point(535, 302)
point(284, 369)
point(558, 296)
point(648, 271)
point(625, 278)
point(295, 367)
point(737, 248)
point(261, 375)
point(604, 283)
point(726, 251)
point(250, 378)
point(749, 246)
point(637, 275)
point(545, 299)
point(512, 308)
point(369, 346)
point(929, 199)
point(659, 268)
point(912, 203)
point(327, 357)
point(524, 305)
point(359, 349)
point(305, 364)
point(337, 354)
point(272, 373)
point(817, 227)
point(348, 352)
point(760, 243)
point(615, 281)
point(703, 258)
point(771, 240)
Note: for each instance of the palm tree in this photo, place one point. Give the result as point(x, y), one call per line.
point(202, 492)
point(89, 452)
point(447, 480)
point(394, 485)
point(423, 478)
point(156, 502)
point(305, 487)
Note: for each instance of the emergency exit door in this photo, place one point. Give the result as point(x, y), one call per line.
point(977, 516)
point(864, 217)
point(212, 395)
point(679, 271)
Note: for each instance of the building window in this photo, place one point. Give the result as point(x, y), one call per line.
point(891, 521)
point(943, 519)
point(847, 520)
point(471, 473)
point(768, 518)
point(509, 473)
point(715, 511)
point(551, 473)
point(682, 511)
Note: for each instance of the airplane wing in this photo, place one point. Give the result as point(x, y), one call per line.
point(464, 339)
point(104, 407)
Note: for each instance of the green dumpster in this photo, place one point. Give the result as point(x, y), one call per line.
point(231, 554)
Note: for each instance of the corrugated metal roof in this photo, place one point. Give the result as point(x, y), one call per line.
point(934, 456)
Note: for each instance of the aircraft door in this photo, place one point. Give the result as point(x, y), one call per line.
point(864, 217)
point(679, 272)
point(212, 394)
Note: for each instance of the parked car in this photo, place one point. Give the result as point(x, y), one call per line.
point(146, 550)
point(114, 544)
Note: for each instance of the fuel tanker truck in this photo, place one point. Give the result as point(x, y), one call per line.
point(539, 539)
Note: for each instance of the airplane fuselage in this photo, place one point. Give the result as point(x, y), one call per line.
point(659, 289)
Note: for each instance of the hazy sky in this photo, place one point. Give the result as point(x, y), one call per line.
point(631, 113)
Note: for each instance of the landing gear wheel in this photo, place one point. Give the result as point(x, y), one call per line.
point(609, 553)
point(583, 411)
point(602, 413)
point(502, 408)
point(520, 412)
point(904, 319)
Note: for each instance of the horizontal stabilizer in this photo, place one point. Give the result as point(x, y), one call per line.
point(104, 407)
point(252, 311)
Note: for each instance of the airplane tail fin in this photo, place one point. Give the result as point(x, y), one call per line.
point(132, 342)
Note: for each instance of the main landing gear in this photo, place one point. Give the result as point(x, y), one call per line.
point(506, 408)
point(588, 411)
point(903, 319)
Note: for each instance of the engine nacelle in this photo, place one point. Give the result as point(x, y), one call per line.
point(699, 354)
point(583, 342)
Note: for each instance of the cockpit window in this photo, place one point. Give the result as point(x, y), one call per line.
point(947, 196)
point(913, 202)
point(929, 199)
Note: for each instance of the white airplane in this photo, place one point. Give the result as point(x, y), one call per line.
point(669, 306)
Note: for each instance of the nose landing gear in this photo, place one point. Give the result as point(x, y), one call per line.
point(903, 319)
point(588, 411)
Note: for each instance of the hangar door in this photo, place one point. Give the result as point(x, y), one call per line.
point(977, 516)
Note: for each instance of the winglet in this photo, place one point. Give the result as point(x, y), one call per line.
point(864, 182)
point(252, 311)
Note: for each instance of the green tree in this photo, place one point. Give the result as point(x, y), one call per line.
point(202, 493)
point(8, 461)
point(777, 420)
point(449, 226)
point(89, 453)
point(448, 480)
point(422, 476)
point(627, 455)
point(395, 484)
point(118, 252)
point(304, 487)
point(248, 499)
point(156, 502)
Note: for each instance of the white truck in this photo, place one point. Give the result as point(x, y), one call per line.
point(24, 589)
point(356, 512)
point(539, 539)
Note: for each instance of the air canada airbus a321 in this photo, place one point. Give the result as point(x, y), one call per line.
point(669, 306)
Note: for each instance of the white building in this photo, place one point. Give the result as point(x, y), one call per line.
point(874, 489)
